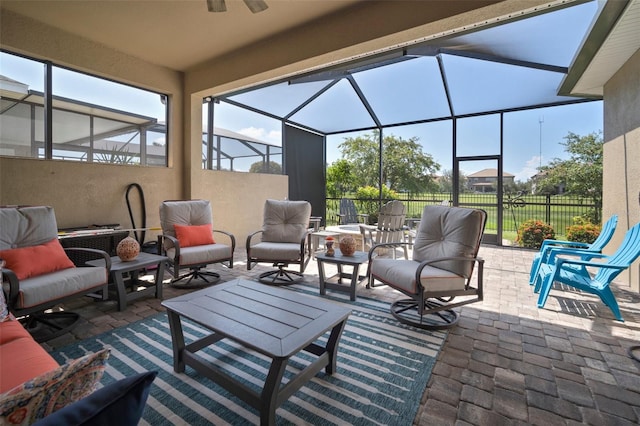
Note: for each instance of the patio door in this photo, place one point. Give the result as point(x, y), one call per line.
point(479, 183)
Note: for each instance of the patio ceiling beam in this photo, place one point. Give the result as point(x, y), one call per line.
point(503, 60)
point(311, 99)
point(445, 85)
point(364, 100)
point(431, 51)
point(344, 70)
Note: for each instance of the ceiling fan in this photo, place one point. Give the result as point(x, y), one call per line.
point(219, 5)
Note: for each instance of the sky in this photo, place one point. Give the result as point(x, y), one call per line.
point(78, 86)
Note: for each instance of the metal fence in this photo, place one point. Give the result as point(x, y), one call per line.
point(557, 210)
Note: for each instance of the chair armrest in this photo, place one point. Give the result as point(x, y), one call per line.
point(228, 234)
point(250, 237)
point(173, 242)
point(102, 253)
point(373, 249)
point(554, 252)
point(561, 261)
point(364, 217)
point(478, 260)
point(550, 243)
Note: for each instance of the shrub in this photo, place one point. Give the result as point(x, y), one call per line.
point(370, 193)
point(532, 232)
point(583, 231)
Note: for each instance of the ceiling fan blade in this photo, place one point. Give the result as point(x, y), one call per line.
point(216, 6)
point(256, 5)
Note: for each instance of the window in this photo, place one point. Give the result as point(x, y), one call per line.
point(241, 140)
point(92, 119)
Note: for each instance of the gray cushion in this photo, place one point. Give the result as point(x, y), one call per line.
point(197, 255)
point(447, 232)
point(276, 251)
point(402, 274)
point(44, 288)
point(190, 212)
point(27, 226)
point(285, 221)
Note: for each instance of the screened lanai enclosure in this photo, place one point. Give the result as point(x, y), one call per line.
point(464, 95)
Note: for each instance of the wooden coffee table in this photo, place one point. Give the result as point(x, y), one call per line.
point(273, 321)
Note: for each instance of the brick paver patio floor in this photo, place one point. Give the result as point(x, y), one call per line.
point(506, 363)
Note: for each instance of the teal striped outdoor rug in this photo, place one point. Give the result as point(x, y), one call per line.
point(383, 369)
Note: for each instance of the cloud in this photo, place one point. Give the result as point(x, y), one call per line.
point(530, 168)
point(272, 136)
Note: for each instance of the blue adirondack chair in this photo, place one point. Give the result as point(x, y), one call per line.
point(551, 248)
point(564, 271)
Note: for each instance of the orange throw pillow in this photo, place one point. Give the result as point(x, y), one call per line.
point(194, 235)
point(32, 261)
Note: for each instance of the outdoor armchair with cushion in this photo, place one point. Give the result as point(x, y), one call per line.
point(445, 254)
point(38, 274)
point(285, 240)
point(552, 248)
point(188, 241)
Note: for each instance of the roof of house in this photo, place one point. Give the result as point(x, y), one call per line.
point(489, 173)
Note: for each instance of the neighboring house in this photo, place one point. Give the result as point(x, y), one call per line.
point(539, 177)
point(487, 180)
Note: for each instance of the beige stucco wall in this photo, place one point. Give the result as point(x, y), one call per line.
point(622, 156)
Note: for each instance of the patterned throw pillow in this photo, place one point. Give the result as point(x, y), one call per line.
point(45, 394)
point(4, 310)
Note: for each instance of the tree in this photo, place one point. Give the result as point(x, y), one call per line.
point(582, 172)
point(261, 167)
point(340, 178)
point(405, 167)
point(445, 182)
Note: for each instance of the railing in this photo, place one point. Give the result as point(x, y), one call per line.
point(556, 210)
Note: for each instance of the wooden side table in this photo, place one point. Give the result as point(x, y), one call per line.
point(335, 281)
point(133, 267)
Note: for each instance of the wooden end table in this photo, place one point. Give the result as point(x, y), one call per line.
point(335, 282)
point(273, 321)
point(120, 268)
